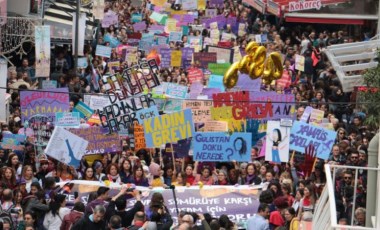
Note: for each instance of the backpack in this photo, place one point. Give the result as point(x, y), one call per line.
point(6, 215)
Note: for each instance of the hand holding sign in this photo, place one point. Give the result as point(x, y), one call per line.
point(310, 156)
point(253, 127)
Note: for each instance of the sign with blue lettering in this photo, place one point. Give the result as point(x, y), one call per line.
point(303, 134)
point(214, 146)
point(146, 113)
point(168, 128)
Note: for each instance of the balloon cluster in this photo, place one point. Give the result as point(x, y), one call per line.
point(255, 64)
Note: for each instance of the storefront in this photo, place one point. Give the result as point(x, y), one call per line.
point(343, 12)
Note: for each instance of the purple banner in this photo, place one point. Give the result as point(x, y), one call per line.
point(239, 203)
point(100, 141)
point(140, 26)
point(210, 91)
point(166, 57)
point(187, 57)
point(46, 103)
point(281, 109)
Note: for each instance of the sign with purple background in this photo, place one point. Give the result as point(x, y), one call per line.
point(239, 203)
point(187, 57)
point(166, 57)
point(46, 103)
point(245, 83)
point(99, 141)
point(181, 148)
point(281, 109)
point(140, 26)
point(210, 91)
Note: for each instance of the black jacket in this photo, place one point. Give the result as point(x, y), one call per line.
point(86, 224)
point(126, 216)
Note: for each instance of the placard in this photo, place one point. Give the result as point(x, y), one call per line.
point(219, 147)
point(224, 55)
point(138, 131)
point(216, 81)
point(168, 128)
point(84, 110)
point(218, 68)
point(277, 142)
point(82, 63)
point(195, 74)
point(49, 84)
point(303, 134)
point(203, 59)
point(176, 60)
point(103, 51)
point(200, 110)
point(68, 120)
point(300, 63)
point(189, 4)
point(147, 113)
point(175, 36)
point(176, 91)
point(66, 147)
point(46, 103)
point(99, 141)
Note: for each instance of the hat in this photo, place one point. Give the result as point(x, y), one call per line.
point(98, 165)
point(21, 181)
point(154, 169)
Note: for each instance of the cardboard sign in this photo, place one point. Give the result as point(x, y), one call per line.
point(168, 128)
point(195, 74)
point(300, 63)
point(46, 103)
point(139, 137)
point(203, 59)
point(147, 113)
point(176, 91)
point(277, 142)
point(68, 120)
point(200, 109)
point(176, 60)
point(303, 134)
point(84, 110)
point(221, 147)
point(49, 84)
point(216, 81)
point(218, 68)
point(103, 51)
point(99, 141)
point(224, 55)
point(66, 147)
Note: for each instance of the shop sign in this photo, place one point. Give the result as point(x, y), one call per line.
point(304, 5)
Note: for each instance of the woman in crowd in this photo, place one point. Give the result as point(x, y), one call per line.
point(58, 210)
point(139, 178)
point(89, 174)
point(112, 172)
point(292, 222)
point(15, 164)
point(126, 171)
point(27, 175)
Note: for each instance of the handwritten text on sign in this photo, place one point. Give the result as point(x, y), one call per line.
point(303, 134)
point(168, 128)
point(222, 147)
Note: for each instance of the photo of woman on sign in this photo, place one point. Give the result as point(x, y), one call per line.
point(240, 146)
point(277, 145)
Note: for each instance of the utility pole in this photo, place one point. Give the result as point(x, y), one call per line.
point(77, 15)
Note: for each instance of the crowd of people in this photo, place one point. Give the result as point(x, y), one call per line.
point(28, 179)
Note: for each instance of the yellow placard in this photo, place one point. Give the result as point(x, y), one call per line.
point(171, 25)
point(159, 3)
point(201, 4)
point(176, 60)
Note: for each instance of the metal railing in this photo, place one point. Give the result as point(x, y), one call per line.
point(325, 215)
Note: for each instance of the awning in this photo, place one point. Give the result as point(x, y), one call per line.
point(325, 20)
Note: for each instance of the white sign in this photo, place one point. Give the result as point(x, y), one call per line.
point(66, 147)
point(305, 5)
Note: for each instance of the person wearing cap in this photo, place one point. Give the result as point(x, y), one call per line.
point(100, 200)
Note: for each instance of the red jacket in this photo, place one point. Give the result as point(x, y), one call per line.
point(70, 219)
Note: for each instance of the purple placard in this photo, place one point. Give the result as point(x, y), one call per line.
point(187, 57)
point(99, 141)
point(166, 57)
point(181, 148)
point(140, 26)
point(232, 21)
point(196, 89)
point(210, 91)
point(280, 110)
point(221, 21)
point(157, 27)
point(188, 18)
point(216, 3)
point(245, 83)
point(46, 103)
